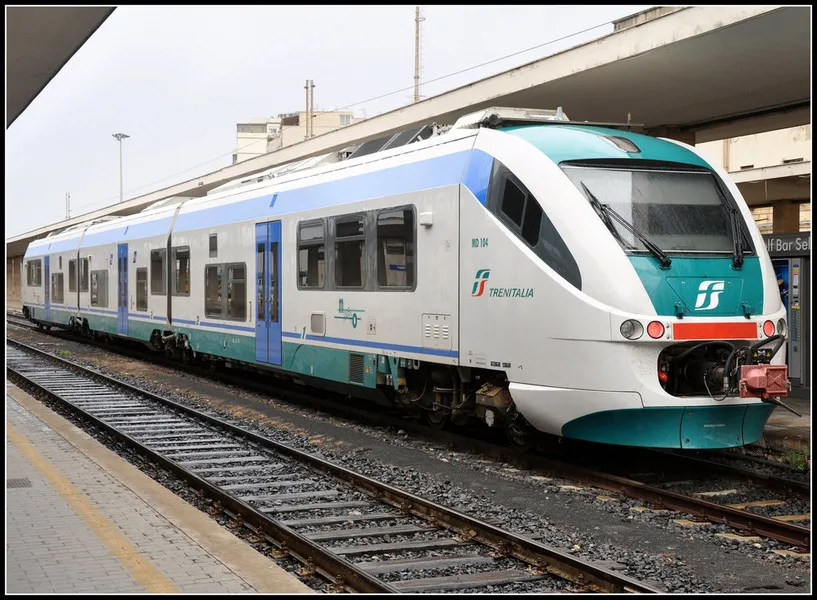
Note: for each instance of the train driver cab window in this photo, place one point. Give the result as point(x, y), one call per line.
point(311, 256)
point(157, 271)
point(349, 252)
point(181, 271)
point(522, 214)
point(395, 248)
point(72, 275)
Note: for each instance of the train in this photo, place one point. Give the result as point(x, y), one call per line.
point(517, 269)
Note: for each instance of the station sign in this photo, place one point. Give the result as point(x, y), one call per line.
point(788, 244)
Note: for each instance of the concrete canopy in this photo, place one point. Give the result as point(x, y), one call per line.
point(39, 41)
point(705, 72)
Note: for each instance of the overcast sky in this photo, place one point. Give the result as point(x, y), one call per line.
point(178, 79)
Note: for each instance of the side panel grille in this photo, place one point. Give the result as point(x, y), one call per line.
point(356, 368)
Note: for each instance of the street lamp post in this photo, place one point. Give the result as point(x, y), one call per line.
point(120, 137)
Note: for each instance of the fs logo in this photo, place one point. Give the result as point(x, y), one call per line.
point(479, 283)
point(711, 290)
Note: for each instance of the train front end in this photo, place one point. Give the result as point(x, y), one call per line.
point(671, 333)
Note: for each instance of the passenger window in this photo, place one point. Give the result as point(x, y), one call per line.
point(395, 248)
point(213, 300)
point(213, 245)
point(72, 275)
point(259, 269)
point(157, 271)
point(142, 289)
point(99, 288)
point(181, 271)
point(57, 289)
point(311, 256)
point(83, 275)
point(237, 292)
point(60, 261)
point(349, 256)
point(513, 202)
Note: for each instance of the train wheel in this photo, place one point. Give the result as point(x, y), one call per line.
point(437, 419)
point(521, 434)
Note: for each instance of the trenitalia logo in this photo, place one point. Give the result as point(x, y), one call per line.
point(710, 290)
point(479, 283)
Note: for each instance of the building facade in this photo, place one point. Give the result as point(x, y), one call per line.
point(259, 136)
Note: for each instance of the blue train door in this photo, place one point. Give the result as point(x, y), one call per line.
point(268, 292)
point(47, 288)
point(122, 290)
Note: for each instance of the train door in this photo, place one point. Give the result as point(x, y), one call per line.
point(122, 290)
point(268, 292)
point(47, 288)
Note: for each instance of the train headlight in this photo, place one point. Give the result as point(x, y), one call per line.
point(768, 328)
point(781, 326)
point(631, 329)
point(655, 329)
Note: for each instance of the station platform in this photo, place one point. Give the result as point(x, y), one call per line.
point(80, 519)
point(786, 434)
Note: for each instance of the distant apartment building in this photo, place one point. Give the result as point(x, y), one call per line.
point(773, 172)
point(259, 136)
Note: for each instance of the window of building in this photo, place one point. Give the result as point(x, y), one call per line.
point(764, 218)
point(72, 275)
point(213, 245)
point(805, 216)
point(345, 120)
point(395, 248)
point(311, 255)
point(142, 289)
point(99, 288)
point(235, 158)
point(181, 271)
point(349, 252)
point(57, 292)
point(157, 271)
point(251, 128)
point(83, 274)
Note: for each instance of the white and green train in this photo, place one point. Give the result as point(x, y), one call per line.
point(529, 271)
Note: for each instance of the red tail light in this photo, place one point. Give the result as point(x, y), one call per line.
point(768, 328)
point(655, 330)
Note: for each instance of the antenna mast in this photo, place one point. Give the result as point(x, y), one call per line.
point(417, 20)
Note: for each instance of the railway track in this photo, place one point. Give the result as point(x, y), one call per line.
point(751, 503)
point(337, 523)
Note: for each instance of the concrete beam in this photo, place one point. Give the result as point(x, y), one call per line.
point(741, 125)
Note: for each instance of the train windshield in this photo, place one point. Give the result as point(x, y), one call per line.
point(678, 211)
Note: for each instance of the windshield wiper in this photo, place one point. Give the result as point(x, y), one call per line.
point(737, 238)
point(663, 260)
point(594, 202)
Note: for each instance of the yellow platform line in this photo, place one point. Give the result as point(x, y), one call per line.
point(140, 568)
